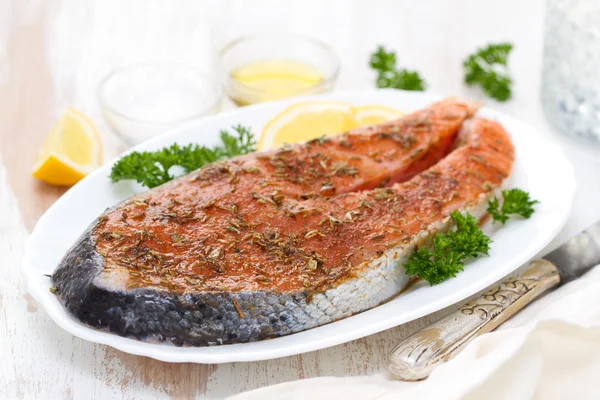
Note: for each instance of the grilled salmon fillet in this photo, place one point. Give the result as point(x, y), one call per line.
point(278, 242)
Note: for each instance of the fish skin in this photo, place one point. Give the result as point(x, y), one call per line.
point(211, 318)
point(222, 317)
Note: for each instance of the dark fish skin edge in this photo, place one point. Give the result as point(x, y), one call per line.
point(200, 319)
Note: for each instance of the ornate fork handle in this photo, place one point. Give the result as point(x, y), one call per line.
point(420, 353)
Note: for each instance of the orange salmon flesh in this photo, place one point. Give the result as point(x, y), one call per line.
point(310, 215)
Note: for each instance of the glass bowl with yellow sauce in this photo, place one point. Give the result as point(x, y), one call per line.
point(265, 67)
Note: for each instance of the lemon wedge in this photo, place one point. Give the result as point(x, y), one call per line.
point(372, 115)
point(71, 151)
point(311, 120)
point(306, 121)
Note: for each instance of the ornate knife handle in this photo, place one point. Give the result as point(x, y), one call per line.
point(416, 357)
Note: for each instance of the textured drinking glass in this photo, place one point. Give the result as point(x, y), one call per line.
point(571, 68)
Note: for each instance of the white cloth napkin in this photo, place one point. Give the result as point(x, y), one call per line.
point(550, 350)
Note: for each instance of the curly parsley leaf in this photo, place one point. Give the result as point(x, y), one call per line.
point(153, 168)
point(449, 251)
point(516, 202)
point(468, 239)
point(388, 76)
point(488, 67)
point(382, 60)
point(236, 145)
point(437, 264)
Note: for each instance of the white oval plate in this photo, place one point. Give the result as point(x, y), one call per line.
point(540, 169)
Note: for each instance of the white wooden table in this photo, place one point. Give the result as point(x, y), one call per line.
point(52, 56)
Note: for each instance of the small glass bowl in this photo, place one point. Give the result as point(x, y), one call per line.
point(276, 47)
point(142, 101)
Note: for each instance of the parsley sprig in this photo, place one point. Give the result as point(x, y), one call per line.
point(488, 67)
point(516, 202)
point(389, 76)
point(153, 168)
point(449, 250)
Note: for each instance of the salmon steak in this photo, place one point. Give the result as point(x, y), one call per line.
point(277, 242)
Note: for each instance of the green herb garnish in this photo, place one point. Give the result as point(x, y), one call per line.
point(388, 76)
point(516, 202)
point(449, 251)
point(488, 68)
point(153, 168)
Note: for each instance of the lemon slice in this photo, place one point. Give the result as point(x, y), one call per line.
point(306, 121)
point(372, 115)
point(71, 151)
point(311, 120)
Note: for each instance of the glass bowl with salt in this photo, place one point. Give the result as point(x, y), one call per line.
point(142, 101)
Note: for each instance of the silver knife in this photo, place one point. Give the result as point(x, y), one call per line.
point(418, 355)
